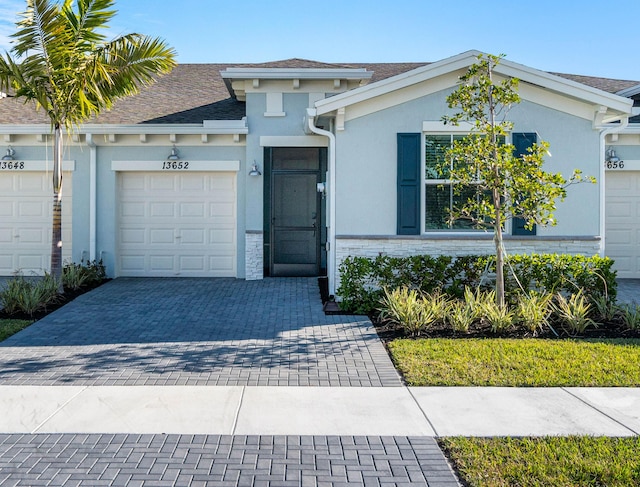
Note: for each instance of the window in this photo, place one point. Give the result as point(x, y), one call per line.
point(438, 191)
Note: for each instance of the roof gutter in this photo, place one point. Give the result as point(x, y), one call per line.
point(624, 122)
point(331, 192)
point(93, 158)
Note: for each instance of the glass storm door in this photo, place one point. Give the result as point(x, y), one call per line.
point(295, 218)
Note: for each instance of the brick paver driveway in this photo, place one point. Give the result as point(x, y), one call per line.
point(198, 332)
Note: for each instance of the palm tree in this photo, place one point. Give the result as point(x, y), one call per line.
point(61, 60)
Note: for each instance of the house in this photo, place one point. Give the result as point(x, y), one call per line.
point(286, 168)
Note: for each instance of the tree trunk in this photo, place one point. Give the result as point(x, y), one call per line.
point(499, 266)
point(56, 227)
point(497, 202)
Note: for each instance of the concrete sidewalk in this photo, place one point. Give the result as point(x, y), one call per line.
point(383, 411)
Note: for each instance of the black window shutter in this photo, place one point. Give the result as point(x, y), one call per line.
point(409, 184)
point(521, 142)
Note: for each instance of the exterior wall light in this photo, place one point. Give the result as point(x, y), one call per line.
point(254, 170)
point(611, 156)
point(175, 155)
point(612, 161)
point(10, 155)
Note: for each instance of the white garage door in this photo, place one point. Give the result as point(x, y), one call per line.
point(26, 211)
point(623, 222)
point(180, 224)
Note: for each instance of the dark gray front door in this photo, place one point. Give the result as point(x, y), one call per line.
point(295, 216)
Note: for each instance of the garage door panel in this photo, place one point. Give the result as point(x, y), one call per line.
point(161, 236)
point(133, 182)
point(195, 209)
point(192, 237)
point(619, 209)
point(226, 265)
point(36, 182)
point(132, 236)
point(222, 236)
point(161, 263)
point(159, 182)
point(192, 183)
point(132, 208)
point(179, 231)
point(162, 210)
point(132, 263)
point(222, 209)
point(192, 263)
point(620, 237)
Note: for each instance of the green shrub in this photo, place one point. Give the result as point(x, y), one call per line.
point(406, 308)
point(362, 279)
point(605, 310)
point(29, 295)
point(73, 276)
point(574, 313)
point(533, 310)
point(630, 316)
point(76, 276)
point(437, 304)
point(500, 318)
point(461, 315)
point(563, 273)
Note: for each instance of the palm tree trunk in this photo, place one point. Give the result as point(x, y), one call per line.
point(56, 227)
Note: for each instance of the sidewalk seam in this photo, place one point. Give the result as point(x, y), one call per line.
point(237, 416)
point(423, 412)
point(584, 401)
point(48, 418)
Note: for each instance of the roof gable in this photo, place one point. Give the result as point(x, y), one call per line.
point(617, 105)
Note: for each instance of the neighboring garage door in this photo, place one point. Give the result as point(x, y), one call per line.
point(177, 224)
point(26, 211)
point(622, 242)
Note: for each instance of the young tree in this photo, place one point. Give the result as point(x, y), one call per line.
point(61, 61)
point(506, 186)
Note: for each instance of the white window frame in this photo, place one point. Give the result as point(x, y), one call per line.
point(439, 128)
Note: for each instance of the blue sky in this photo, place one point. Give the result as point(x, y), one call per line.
point(572, 36)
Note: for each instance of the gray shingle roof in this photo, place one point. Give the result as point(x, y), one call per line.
point(192, 93)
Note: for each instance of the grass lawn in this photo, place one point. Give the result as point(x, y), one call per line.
point(518, 362)
point(551, 461)
point(10, 327)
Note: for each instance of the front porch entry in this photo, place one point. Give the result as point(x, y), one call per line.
point(294, 216)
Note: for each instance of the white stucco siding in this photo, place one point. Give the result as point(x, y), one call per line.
point(367, 158)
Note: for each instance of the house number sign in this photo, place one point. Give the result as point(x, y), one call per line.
point(615, 164)
point(11, 165)
point(175, 165)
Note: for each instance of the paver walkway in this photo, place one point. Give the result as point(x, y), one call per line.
point(198, 332)
point(212, 460)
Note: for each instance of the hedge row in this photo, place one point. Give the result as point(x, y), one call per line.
point(363, 278)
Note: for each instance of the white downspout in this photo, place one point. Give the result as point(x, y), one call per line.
point(92, 196)
point(331, 191)
point(603, 149)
